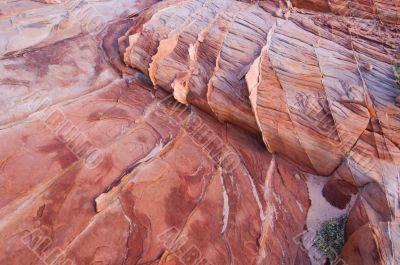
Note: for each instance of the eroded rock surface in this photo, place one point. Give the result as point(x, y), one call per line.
point(244, 120)
point(320, 87)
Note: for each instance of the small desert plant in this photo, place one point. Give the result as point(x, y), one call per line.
point(330, 237)
point(396, 66)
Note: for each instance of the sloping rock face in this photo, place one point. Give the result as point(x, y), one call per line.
point(320, 90)
point(317, 83)
point(192, 132)
point(382, 11)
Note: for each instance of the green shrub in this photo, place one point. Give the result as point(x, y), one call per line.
point(397, 72)
point(330, 237)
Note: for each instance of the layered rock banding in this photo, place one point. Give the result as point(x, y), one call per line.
point(311, 83)
point(338, 99)
point(113, 170)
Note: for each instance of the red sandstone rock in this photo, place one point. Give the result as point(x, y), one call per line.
point(373, 244)
point(100, 164)
point(322, 124)
point(384, 10)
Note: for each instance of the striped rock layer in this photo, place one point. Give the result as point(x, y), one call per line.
point(318, 88)
point(197, 131)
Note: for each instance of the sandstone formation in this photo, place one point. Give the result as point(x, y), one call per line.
point(193, 131)
point(382, 11)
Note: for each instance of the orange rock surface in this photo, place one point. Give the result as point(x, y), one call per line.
point(197, 131)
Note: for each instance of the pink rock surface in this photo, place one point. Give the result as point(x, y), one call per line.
point(210, 153)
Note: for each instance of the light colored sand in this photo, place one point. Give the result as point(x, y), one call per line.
point(319, 212)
